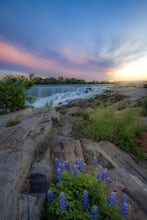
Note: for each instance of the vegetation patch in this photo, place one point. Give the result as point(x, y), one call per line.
point(107, 125)
point(83, 192)
point(47, 143)
point(12, 122)
point(12, 93)
point(143, 104)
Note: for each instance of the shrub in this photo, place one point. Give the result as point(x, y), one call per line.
point(108, 125)
point(12, 93)
point(79, 196)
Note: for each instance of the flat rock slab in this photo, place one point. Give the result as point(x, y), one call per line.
point(17, 145)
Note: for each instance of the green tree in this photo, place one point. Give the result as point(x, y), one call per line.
point(12, 93)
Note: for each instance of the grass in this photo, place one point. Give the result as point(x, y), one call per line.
point(107, 125)
point(44, 145)
point(142, 103)
point(12, 122)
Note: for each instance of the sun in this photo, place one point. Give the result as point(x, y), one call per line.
point(135, 71)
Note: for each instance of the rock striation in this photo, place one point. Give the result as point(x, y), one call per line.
point(17, 146)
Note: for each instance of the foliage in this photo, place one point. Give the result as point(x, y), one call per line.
point(62, 80)
point(45, 144)
point(142, 103)
point(50, 104)
point(80, 194)
point(12, 93)
point(108, 125)
point(12, 122)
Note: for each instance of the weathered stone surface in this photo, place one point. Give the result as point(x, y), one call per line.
point(73, 110)
point(17, 145)
point(78, 150)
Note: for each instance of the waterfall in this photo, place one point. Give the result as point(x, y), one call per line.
point(60, 95)
point(45, 91)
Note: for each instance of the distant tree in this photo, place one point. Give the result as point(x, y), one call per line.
point(31, 76)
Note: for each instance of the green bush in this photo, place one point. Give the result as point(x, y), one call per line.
point(108, 125)
point(73, 189)
point(12, 93)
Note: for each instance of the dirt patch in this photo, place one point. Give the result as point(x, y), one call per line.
point(142, 140)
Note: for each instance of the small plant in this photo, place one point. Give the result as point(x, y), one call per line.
point(12, 122)
point(50, 104)
point(44, 145)
point(81, 196)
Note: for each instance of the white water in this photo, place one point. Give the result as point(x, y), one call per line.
point(60, 95)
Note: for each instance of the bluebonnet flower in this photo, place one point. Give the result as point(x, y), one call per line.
point(124, 209)
point(59, 174)
point(61, 166)
point(94, 213)
point(78, 162)
point(104, 174)
point(83, 168)
point(100, 173)
point(94, 161)
point(56, 163)
point(67, 165)
point(50, 195)
point(62, 202)
point(85, 199)
point(124, 199)
point(124, 205)
point(75, 171)
point(112, 199)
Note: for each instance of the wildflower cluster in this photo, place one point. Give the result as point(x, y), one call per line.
point(82, 196)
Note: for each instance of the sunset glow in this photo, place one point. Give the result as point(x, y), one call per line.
point(134, 71)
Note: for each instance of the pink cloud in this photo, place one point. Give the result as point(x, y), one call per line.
point(14, 55)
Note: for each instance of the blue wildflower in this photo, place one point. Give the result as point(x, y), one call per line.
point(61, 166)
point(85, 199)
point(112, 199)
point(79, 162)
point(75, 171)
point(124, 199)
point(67, 166)
point(104, 174)
point(62, 202)
point(124, 209)
point(100, 173)
point(94, 213)
point(56, 163)
point(83, 168)
point(50, 195)
point(59, 174)
point(124, 205)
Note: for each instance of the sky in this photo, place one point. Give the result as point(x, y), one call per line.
point(86, 39)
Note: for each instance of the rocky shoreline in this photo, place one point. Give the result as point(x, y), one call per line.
point(37, 136)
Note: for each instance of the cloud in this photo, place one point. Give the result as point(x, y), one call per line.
point(64, 62)
point(115, 53)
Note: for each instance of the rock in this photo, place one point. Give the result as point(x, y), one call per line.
point(73, 110)
point(17, 146)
